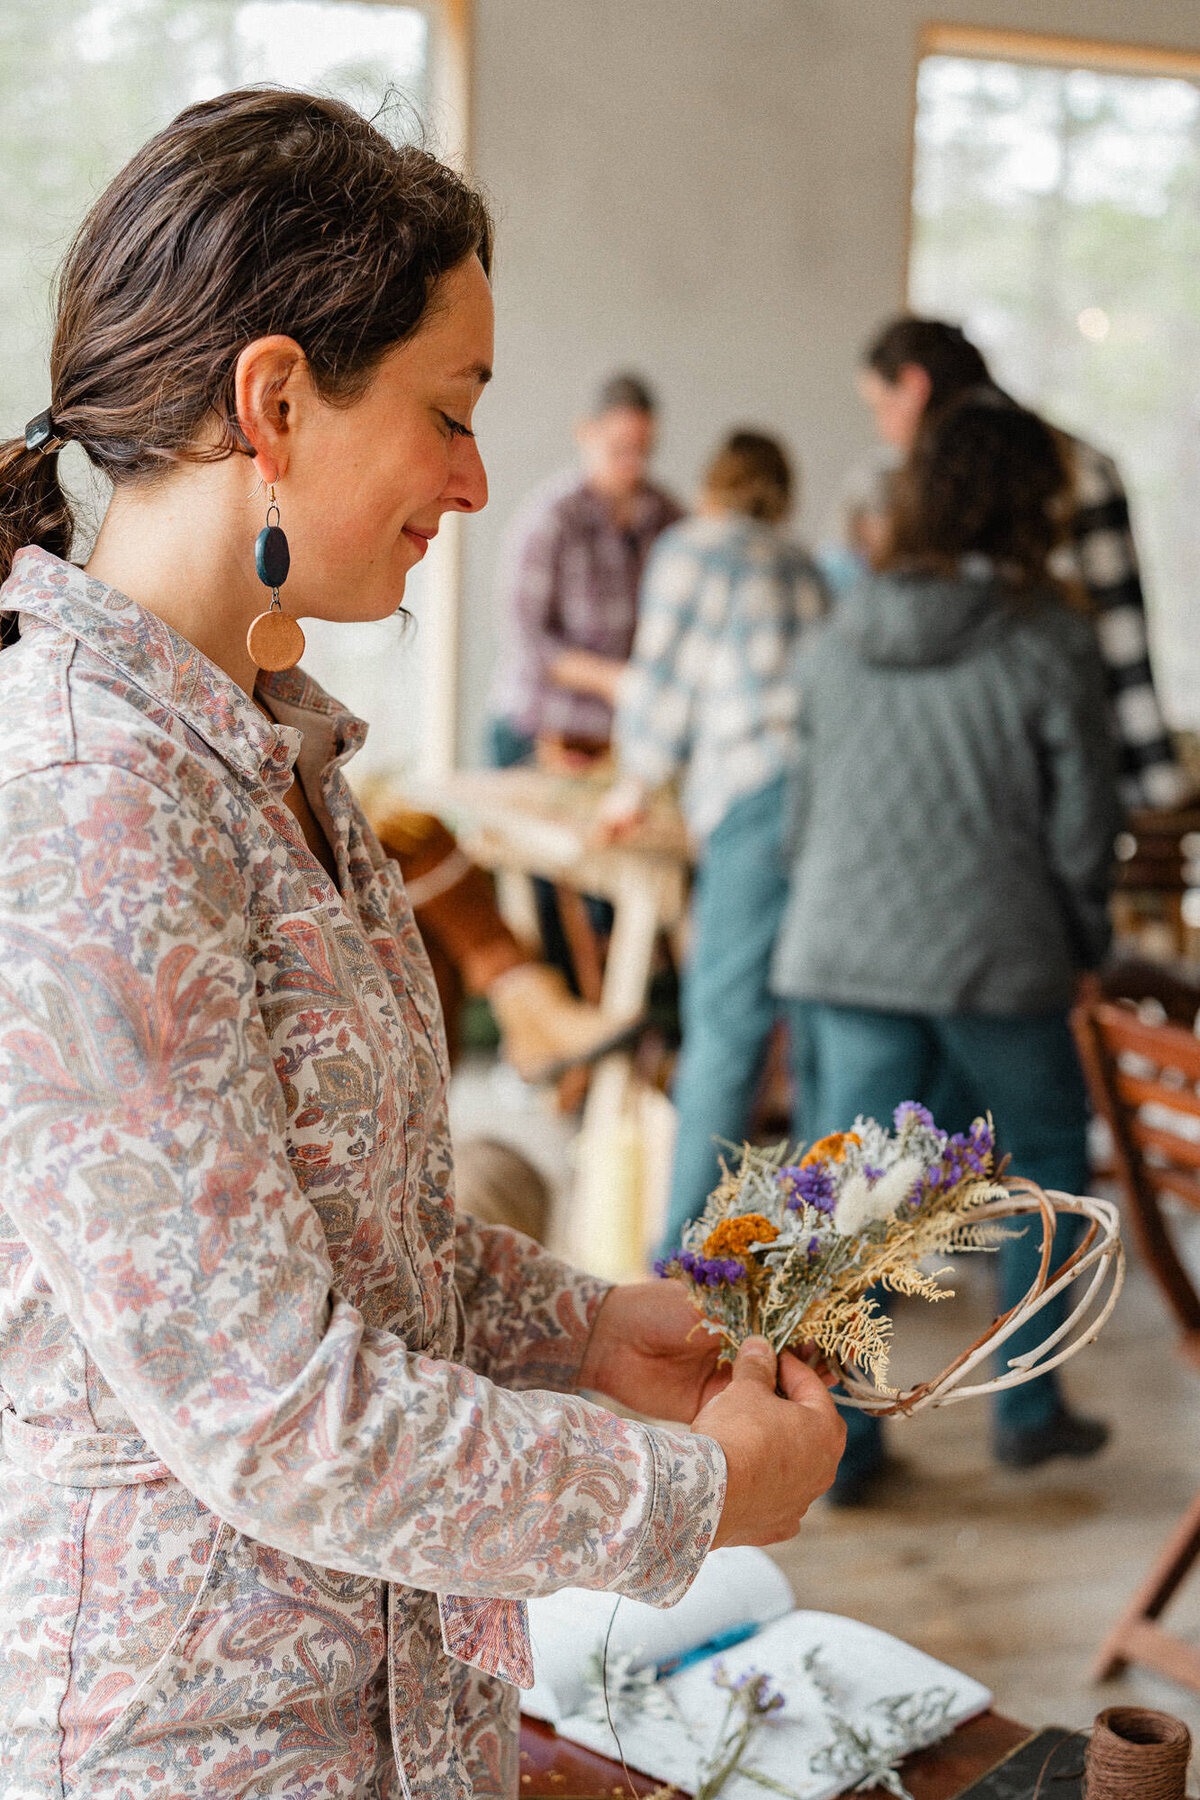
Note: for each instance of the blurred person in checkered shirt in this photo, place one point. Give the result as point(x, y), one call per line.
point(573, 564)
point(710, 699)
point(911, 370)
point(569, 592)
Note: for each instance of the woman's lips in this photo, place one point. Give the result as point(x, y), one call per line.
point(419, 538)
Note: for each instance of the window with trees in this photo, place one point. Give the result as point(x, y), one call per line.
point(1056, 216)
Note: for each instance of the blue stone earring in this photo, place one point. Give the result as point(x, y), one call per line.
point(274, 639)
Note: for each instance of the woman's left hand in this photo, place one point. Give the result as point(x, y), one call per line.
point(650, 1351)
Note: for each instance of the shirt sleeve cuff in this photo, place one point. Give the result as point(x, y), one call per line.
point(683, 1511)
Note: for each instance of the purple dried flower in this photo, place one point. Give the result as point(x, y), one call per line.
point(914, 1111)
point(811, 1186)
point(872, 1174)
point(715, 1271)
point(787, 1178)
point(756, 1687)
point(814, 1244)
point(662, 1264)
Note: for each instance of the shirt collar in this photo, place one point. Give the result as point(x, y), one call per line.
point(155, 659)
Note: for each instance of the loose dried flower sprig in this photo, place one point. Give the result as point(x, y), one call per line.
point(892, 1729)
point(860, 1755)
point(752, 1701)
point(790, 1250)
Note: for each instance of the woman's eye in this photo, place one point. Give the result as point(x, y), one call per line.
point(455, 429)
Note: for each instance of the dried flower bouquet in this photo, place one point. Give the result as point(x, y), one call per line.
point(791, 1250)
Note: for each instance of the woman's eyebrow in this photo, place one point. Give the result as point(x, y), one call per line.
point(477, 373)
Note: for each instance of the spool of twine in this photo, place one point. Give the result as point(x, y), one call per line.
point(1136, 1754)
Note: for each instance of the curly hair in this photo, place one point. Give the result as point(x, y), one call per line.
point(984, 477)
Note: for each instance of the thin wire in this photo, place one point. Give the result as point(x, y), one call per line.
point(607, 1708)
point(1053, 1752)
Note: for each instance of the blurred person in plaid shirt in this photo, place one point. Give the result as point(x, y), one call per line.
point(570, 585)
point(569, 597)
point(911, 370)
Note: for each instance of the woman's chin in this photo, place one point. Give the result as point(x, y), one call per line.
point(369, 609)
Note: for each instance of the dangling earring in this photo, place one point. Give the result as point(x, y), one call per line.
point(274, 639)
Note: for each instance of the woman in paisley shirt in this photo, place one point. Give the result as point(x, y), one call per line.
point(285, 1445)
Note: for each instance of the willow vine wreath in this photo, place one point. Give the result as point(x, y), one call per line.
point(798, 1251)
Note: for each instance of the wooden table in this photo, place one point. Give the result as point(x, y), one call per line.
point(550, 1766)
point(527, 822)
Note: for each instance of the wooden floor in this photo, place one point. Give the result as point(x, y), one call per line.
point(1013, 1578)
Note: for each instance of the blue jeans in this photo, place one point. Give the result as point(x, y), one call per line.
point(728, 1007)
point(849, 1060)
point(507, 745)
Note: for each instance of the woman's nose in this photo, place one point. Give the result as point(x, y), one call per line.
point(467, 488)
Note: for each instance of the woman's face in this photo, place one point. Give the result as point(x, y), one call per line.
point(362, 489)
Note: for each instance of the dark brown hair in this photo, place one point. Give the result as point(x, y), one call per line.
point(261, 211)
point(751, 474)
point(946, 354)
point(624, 392)
point(984, 477)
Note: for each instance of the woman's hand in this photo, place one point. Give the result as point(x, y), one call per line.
point(622, 810)
point(649, 1350)
point(780, 1454)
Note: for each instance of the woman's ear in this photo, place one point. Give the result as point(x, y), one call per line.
point(268, 380)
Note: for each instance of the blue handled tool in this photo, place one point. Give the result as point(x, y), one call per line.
point(724, 1640)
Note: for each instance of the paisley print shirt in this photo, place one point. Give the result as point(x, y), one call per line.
point(284, 1443)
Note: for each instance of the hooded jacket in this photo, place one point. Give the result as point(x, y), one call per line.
point(955, 802)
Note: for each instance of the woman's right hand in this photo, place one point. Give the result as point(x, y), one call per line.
point(780, 1452)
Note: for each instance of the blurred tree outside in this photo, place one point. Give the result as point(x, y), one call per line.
point(1056, 216)
point(82, 84)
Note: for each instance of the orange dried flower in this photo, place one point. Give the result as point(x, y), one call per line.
point(830, 1149)
point(733, 1237)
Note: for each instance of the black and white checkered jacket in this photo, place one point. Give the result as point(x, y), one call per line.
point(1100, 553)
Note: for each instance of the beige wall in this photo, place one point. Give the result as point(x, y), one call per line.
point(715, 191)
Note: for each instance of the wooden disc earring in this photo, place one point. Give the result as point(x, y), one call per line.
point(274, 639)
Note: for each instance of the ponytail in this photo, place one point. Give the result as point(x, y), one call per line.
point(33, 507)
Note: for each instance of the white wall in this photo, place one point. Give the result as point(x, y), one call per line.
point(714, 191)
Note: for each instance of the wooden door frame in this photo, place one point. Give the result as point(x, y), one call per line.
point(451, 30)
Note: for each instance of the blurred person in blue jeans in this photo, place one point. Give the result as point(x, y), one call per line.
point(709, 697)
point(955, 811)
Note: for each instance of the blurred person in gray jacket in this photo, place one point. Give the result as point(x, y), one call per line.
point(955, 813)
point(911, 369)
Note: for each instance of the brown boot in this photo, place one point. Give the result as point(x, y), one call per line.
point(544, 1028)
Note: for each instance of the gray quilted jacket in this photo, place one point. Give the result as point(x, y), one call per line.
point(956, 803)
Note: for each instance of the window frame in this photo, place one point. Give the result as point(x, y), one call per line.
point(982, 43)
point(451, 41)
point(1047, 50)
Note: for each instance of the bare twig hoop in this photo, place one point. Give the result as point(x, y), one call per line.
point(1098, 1263)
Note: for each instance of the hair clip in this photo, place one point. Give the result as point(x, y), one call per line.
point(40, 431)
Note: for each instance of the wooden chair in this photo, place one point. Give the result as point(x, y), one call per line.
point(1145, 1083)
